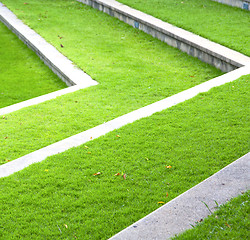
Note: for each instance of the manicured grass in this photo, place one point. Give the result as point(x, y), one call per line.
point(220, 23)
point(60, 198)
point(231, 221)
point(22, 74)
point(133, 70)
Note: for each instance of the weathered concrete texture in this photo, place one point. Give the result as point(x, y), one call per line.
point(244, 4)
point(178, 215)
point(93, 133)
point(219, 56)
point(59, 64)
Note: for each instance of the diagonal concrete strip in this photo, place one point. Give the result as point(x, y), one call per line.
point(39, 99)
point(177, 215)
point(59, 64)
point(81, 138)
point(213, 53)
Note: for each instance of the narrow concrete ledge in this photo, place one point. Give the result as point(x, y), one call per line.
point(212, 53)
point(59, 64)
point(40, 99)
point(244, 4)
point(100, 130)
point(188, 208)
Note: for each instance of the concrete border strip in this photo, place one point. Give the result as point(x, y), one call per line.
point(177, 215)
point(243, 4)
point(59, 64)
point(210, 52)
point(40, 99)
point(93, 133)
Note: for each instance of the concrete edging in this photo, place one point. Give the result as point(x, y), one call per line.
point(100, 130)
point(58, 63)
point(243, 4)
point(188, 208)
point(207, 51)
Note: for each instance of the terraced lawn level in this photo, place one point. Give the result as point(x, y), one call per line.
point(132, 68)
point(226, 25)
point(22, 74)
point(96, 190)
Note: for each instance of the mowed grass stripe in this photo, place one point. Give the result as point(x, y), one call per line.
point(220, 23)
point(22, 74)
point(133, 69)
point(194, 139)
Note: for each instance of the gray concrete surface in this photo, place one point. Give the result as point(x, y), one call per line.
point(93, 133)
point(215, 54)
point(177, 215)
point(59, 64)
point(244, 4)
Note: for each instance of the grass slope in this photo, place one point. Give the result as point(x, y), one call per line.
point(22, 74)
point(220, 23)
point(60, 198)
point(231, 221)
point(133, 70)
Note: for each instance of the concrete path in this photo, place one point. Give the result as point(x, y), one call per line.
point(58, 63)
point(177, 215)
point(81, 138)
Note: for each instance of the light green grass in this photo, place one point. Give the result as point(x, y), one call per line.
point(22, 74)
point(218, 22)
point(197, 138)
point(231, 221)
point(132, 68)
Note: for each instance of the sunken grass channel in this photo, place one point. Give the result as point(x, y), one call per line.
point(63, 197)
point(132, 68)
point(230, 221)
point(218, 22)
point(22, 74)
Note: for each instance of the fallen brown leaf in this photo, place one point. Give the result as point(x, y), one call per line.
point(98, 173)
point(61, 45)
point(228, 225)
point(124, 176)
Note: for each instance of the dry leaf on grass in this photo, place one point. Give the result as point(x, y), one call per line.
point(98, 173)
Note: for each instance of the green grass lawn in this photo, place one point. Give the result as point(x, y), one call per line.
point(231, 221)
point(22, 74)
point(220, 23)
point(61, 198)
point(133, 70)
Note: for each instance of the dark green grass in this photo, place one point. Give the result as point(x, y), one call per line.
point(22, 74)
point(197, 138)
point(133, 70)
point(220, 23)
point(231, 221)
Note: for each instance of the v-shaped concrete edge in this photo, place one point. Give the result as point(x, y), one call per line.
point(58, 63)
point(207, 51)
point(93, 133)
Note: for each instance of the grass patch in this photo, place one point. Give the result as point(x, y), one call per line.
point(60, 197)
point(23, 75)
point(133, 70)
point(231, 221)
point(220, 23)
